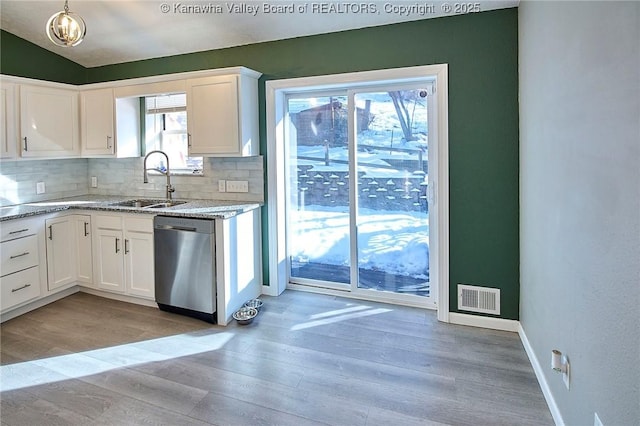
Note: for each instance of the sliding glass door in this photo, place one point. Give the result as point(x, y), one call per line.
point(357, 189)
point(390, 213)
point(318, 189)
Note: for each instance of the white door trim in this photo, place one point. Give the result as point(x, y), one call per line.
point(275, 113)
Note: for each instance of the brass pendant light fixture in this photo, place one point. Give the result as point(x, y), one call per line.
point(66, 29)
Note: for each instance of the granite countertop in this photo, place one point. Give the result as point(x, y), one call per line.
point(204, 209)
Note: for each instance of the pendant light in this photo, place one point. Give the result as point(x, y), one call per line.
point(65, 28)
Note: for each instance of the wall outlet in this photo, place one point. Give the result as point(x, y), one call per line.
point(222, 186)
point(40, 188)
point(237, 186)
point(94, 181)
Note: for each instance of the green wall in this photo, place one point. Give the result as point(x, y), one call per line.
point(481, 50)
point(24, 59)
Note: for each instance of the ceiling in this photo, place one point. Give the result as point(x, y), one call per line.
point(122, 31)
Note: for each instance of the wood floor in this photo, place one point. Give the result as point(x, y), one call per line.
point(307, 359)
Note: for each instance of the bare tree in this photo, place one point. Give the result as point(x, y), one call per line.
point(404, 116)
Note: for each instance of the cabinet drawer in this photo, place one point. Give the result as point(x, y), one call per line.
point(138, 224)
point(19, 287)
point(13, 229)
point(108, 222)
point(18, 254)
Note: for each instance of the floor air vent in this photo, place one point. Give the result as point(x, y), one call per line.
point(479, 299)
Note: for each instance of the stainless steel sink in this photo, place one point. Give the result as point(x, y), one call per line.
point(148, 204)
point(165, 204)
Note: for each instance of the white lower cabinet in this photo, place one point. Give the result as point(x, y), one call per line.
point(61, 258)
point(19, 288)
point(84, 257)
point(123, 260)
point(138, 264)
point(20, 254)
point(69, 254)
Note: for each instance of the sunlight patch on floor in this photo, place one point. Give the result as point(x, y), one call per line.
point(339, 318)
point(339, 312)
point(82, 364)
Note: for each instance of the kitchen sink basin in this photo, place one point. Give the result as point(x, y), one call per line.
point(148, 204)
point(165, 204)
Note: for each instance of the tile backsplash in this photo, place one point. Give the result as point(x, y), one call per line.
point(62, 178)
point(124, 177)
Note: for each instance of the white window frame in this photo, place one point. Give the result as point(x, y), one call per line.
point(276, 173)
point(157, 113)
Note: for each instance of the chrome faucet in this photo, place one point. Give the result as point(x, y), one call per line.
point(170, 189)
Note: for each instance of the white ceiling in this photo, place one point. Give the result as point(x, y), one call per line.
point(122, 31)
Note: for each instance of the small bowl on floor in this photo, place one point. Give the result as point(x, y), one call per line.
point(245, 315)
point(254, 303)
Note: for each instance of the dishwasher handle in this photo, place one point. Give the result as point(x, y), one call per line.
point(176, 228)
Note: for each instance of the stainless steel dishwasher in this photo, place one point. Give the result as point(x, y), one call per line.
point(185, 267)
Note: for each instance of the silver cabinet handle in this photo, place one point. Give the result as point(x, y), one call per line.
point(13, 290)
point(188, 140)
point(109, 142)
point(126, 246)
point(26, 147)
point(117, 248)
point(19, 255)
point(85, 229)
point(18, 231)
point(51, 232)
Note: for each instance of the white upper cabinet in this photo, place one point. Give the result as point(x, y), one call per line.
point(40, 119)
point(97, 123)
point(222, 116)
point(48, 122)
point(8, 140)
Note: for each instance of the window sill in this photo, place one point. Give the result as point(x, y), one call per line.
point(177, 173)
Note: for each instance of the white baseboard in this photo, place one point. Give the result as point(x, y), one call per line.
point(484, 322)
point(120, 297)
point(542, 380)
point(269, 290)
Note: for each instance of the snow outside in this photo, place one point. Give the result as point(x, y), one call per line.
point(393, 226)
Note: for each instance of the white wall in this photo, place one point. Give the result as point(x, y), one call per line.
point(580, 201)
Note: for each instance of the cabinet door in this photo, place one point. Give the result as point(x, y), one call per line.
point(84, 258)
point(212, 116)
point(48, 122)
point(97, 123)
point(8, 139)
point(109, 262)
point(139, 266)
point(61, 259)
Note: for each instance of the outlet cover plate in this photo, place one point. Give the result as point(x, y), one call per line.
point(566, 376)
point(237, 186)
point(40, 189)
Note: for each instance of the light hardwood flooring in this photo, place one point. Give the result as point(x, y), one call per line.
point(307, 359)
